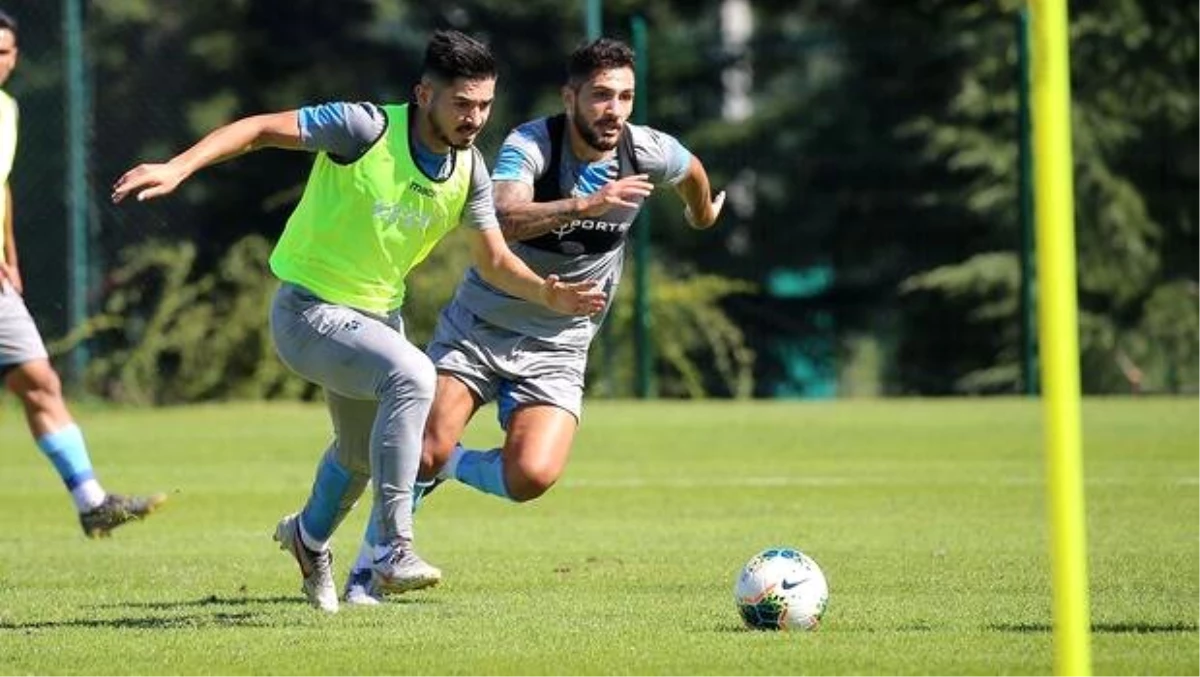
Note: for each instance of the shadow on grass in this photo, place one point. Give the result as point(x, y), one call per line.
point(249, 600)
point(189, 622)
point(208, 601)
point(1104, 628)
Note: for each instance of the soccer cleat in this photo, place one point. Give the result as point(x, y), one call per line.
point(360, 589)
point(117, 510)
point(315, 566)
point(402, 570)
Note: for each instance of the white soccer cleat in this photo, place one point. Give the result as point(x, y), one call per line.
point(402, 570)
point(360, 589)
point(315, 566)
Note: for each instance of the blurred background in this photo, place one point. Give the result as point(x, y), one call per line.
point(876, 241)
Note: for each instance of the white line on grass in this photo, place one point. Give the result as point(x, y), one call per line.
point(834, 481)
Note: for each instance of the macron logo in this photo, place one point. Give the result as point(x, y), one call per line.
point(421, 190)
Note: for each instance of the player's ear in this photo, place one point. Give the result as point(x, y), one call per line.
point(568, 97)
point(423, 93)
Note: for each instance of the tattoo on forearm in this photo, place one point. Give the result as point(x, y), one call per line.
point(533, 219)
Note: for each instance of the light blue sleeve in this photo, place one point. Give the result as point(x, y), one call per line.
point(346, 131)
point(660, 155)
point(522, 156)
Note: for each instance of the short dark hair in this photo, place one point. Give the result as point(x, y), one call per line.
point(451, 55)
point(7, 21)
point(599, 54)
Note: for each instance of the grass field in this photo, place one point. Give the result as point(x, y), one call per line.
point(928, 517)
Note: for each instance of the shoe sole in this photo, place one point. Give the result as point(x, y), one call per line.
point(394, 587)
point(152, 504)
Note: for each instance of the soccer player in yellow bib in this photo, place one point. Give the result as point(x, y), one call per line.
point(387, 184)
point(24, 365)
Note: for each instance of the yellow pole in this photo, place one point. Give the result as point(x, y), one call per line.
point(1058, 335)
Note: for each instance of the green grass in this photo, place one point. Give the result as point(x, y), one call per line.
point(927, 516)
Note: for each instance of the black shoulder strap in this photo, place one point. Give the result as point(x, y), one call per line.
point(547, 188)
point(626, 157)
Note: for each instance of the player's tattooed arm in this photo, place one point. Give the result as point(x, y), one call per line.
point(523, 219)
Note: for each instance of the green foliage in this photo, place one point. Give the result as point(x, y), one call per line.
point(171, 334)
point(881, 143)
point(699, 351)
point(1129, 229)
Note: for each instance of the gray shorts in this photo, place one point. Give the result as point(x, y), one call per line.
point(511, 368)
point(20, 341)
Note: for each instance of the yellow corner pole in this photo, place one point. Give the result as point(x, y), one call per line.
point(1058, 335)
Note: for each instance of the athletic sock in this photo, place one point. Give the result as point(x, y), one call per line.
point(483, 470)
point(67, 451)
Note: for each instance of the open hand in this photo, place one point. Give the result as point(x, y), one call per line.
point(573, 298)
point(619, 193)
point(148, 181)
point(707, 219)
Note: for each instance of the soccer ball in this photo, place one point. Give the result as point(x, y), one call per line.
point(781, 589)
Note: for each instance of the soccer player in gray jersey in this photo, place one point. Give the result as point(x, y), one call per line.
point(568, 188)
point(387, 183)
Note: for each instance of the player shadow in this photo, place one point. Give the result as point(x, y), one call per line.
point(243, 619)
point(206, 601)
point(248, 601)
point(1139, 628)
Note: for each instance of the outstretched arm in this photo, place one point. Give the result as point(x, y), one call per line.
point(273, 130)
point(506, 271)
point(523, 219)
point(701, 208)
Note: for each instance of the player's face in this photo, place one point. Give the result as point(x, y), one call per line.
point(600, 107)
point(8, 54)
point(457, 112)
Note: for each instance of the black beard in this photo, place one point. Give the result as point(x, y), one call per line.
point(444, 137)
point(590, 137)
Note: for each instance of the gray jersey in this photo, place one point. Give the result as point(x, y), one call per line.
point(346, 131)
point(523, 158)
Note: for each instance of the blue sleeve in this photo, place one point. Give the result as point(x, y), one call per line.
point(346, 131)
point(522, 157)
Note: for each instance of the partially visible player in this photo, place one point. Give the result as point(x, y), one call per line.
point(568, 188)
point(24, 364)
point(387, 184)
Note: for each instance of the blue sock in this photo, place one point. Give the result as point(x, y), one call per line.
point(66, 450)
point(483, 470)
point(372, 534)
point(329, 487)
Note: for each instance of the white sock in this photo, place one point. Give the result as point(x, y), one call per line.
point(88, 495)
point(310, 542)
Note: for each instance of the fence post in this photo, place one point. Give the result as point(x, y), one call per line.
point(76, 179)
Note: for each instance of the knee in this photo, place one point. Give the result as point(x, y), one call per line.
point(417, 380)
point(529, 479)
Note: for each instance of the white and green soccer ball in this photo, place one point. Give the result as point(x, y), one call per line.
point(781, 589)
